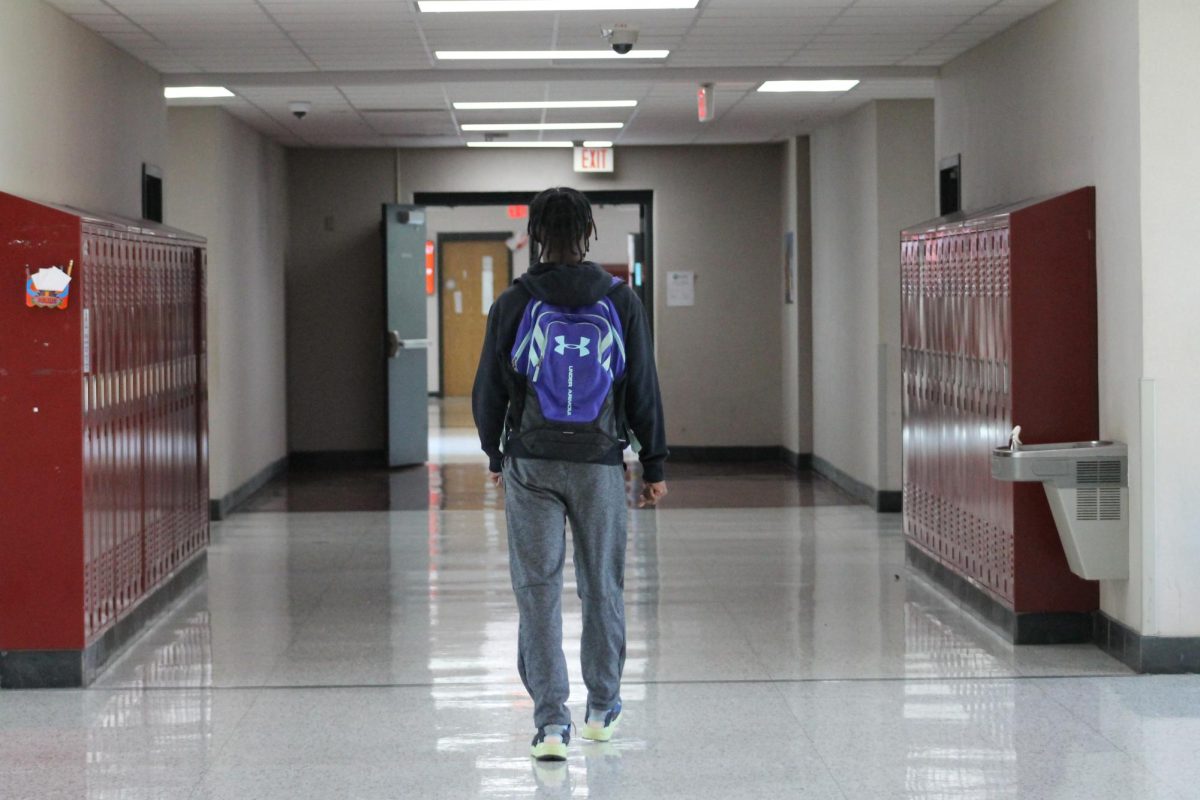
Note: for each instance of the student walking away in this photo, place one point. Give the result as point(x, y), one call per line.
point(567, 372)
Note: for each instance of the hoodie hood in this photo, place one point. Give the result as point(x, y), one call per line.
point(569, 285)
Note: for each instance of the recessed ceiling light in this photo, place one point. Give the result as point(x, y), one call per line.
point(449, 6)
point(807, 86)
point(188, 92)
point(520, 144)
point(543, 55)
point(543, 126)
point(498, 106)
point(597, 144)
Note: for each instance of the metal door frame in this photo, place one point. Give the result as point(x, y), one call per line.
point(443, 239)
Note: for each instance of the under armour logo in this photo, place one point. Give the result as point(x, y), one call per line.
point(563, 347)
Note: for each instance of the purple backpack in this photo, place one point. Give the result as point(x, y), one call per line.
point(571, 360)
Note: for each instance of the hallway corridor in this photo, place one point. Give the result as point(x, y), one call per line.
point(778, 648)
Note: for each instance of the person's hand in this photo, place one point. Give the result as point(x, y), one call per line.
point(496, 478)
point(652, 493)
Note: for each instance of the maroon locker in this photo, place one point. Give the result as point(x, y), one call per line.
point(999, 329)
point(103, 435)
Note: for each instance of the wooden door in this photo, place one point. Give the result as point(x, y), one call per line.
point(473, 273)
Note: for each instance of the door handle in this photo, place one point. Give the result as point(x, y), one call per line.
point(395, 344)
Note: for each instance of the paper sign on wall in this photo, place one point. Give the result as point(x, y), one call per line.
point(489, 291)
point(49, 287)
point(458, 304)
point(681, 288)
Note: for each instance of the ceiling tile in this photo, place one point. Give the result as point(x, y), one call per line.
point(389, 36)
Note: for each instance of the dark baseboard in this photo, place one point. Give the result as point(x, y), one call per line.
point(72, 669)
point(1156, 654)
point(798, 461)
point(222, 507)
point(882, 501)
point(890, 502)
point(725, 454)
point(338, 459)
point(1019, 628)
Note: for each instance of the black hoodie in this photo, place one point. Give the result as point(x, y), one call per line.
point(571, 285)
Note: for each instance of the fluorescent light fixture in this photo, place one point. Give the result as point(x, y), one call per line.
point(544, 55)
point(597, 144)
point(191, 92)
point(520, 144)
point(461, 6)
point(537, 104)
point(543, 126)
point(808, 86)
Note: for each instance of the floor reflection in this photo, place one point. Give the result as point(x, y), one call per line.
point(456, 479)
point(777, 650)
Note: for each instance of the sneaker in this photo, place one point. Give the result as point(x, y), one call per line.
point(599, 724)
point(551, 742)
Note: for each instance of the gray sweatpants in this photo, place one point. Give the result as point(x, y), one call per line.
point(539, 496)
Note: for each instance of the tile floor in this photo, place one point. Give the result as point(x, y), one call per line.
point(778, 648)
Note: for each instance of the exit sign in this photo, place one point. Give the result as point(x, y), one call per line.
point(594, 159)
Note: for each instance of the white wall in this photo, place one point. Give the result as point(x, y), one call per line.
point(613, 222)
point(78, 117)
point(906, 196)
point(845, 218)
point(1049, 106)
point(871, 178)
point(716, 212)
point(1170, 206)
point(228, 183)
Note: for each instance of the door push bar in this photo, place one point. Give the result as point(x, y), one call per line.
point(395, 344)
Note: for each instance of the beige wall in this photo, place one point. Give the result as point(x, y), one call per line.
point(1049, 106)
point(78, 117)
point(228, 183)
point(1170, 167)
point(716, 213)
point(871, 178)
point(796, 376)
point(335, 312)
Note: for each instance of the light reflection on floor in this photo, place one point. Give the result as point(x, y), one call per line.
point(773, 651)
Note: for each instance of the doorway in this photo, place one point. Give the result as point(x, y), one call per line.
point(638, 248)
point(474, 268)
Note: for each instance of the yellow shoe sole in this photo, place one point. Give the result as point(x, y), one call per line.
point(549, 751)
point(598, 733)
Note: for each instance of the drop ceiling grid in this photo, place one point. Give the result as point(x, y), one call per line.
point(231, 36)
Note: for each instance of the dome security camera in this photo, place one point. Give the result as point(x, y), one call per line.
point(299, 108)
point(622, 38)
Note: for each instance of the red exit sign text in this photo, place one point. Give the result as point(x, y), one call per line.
point(594, 159)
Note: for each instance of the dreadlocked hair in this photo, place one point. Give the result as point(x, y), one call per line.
point(560, 222)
